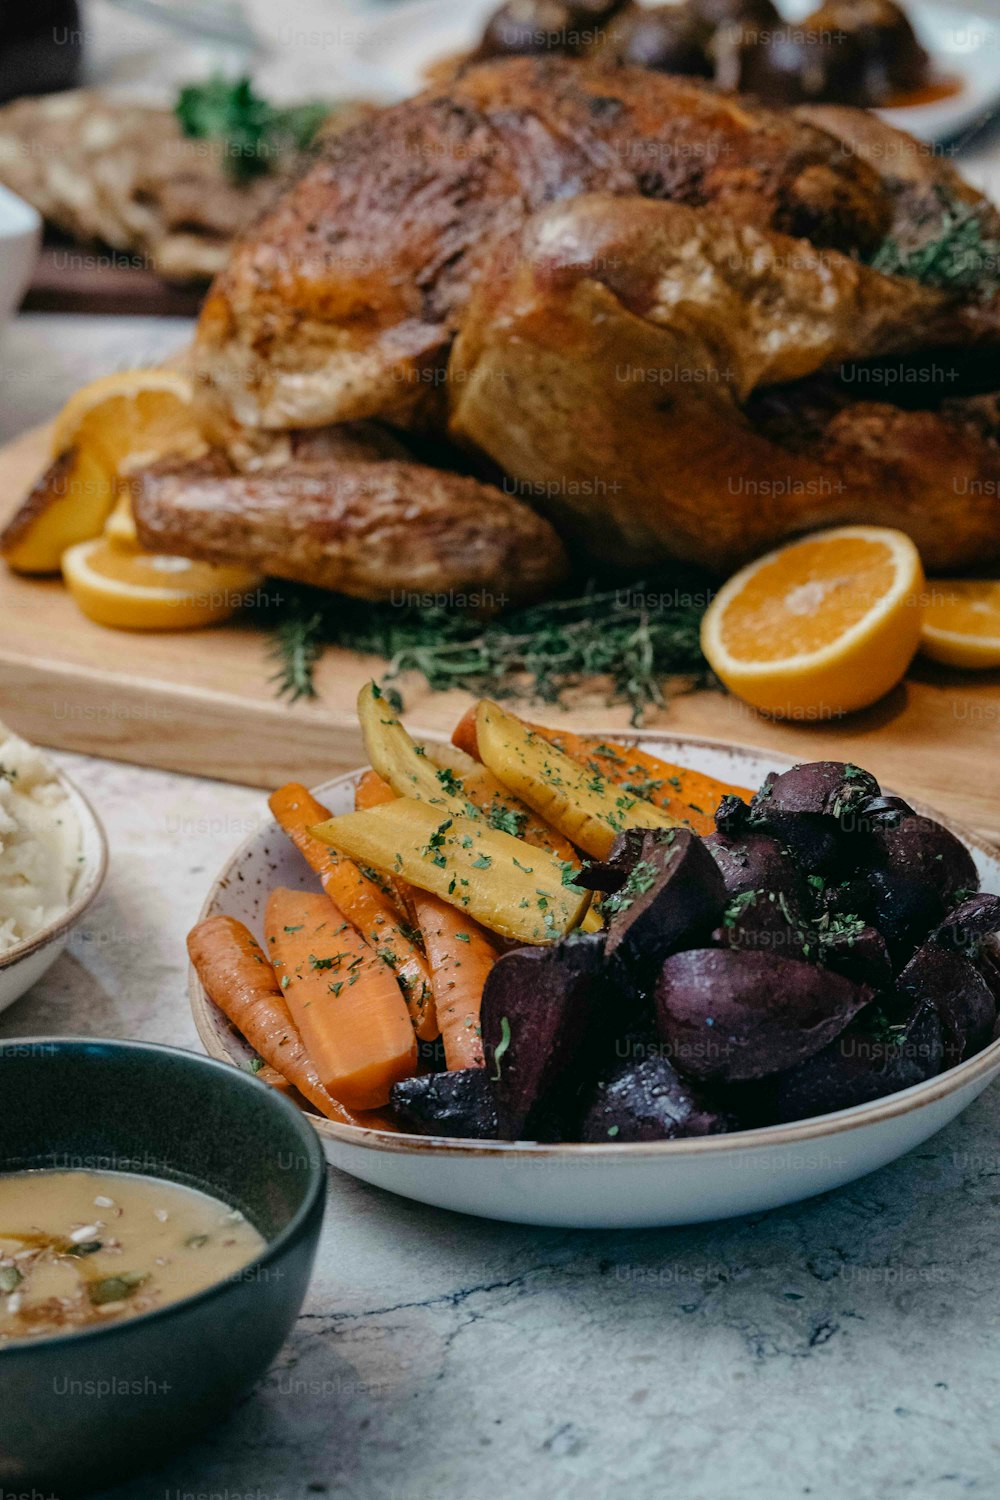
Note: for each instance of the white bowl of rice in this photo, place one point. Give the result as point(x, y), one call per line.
point(53, 855)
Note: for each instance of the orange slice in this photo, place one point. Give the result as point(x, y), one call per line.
point(823, 626)
point(133, 590)
point(962, 622)
point(134, 417)
point(120, 525)
point(111, 426)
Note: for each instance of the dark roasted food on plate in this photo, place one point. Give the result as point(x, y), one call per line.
point(599, 966)
point(625, 291)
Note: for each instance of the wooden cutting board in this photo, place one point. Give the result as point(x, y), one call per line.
point(202, 702)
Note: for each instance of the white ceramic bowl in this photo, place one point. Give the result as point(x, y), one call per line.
point(20, 238)
point(608, 1185)
point(22, 966)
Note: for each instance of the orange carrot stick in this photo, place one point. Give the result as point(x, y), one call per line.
point(461, 956)
point(363, 902)
point(464, 734)
point(343, 997)
point(266, 1074)
point(371, 791)
point(238, 979)
point(505, 811)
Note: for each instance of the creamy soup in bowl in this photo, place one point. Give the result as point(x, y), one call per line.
point(79, 1249)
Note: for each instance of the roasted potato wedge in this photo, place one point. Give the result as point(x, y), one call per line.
point(499, 880)
point(583, 806)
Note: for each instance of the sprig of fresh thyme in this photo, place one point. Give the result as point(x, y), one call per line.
point(632, 637)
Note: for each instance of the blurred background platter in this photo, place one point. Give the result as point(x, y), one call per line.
point(394, 51)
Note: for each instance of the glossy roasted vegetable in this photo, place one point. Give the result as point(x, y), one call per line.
point(878, 1054)
point(667, 38)
point(672, 896)
point(647, 1100)
point(736, 1016)
point(404, 765)
point(458, 1104)
point(499, 880)
point(543, 1012)
point(757, 862)
point(916, 870)
point(958, 992)
point(585, 807)
point(857, 950)
point(811, 809)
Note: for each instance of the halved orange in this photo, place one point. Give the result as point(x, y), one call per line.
point(820, 627)
point(133, 417)
point(128, 589)
point(106, 429)
point(962, 622)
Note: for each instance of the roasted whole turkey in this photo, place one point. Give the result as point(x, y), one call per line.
point(655, 315)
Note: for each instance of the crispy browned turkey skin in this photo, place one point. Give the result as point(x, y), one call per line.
point(625, 341)
point(593, 279)
point(343, 301)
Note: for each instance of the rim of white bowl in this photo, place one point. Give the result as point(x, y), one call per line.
point(91, 879)
point(214, 1030)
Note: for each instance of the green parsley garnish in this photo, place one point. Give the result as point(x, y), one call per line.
point(254, 134)
point(501, 1046)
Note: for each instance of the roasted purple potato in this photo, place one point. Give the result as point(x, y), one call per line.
point(665, 38)
point(866, 1062)
point(915, 870)
point(761, 927)
point(533, 26)
point(757, 862)
point(713, 13)
point(858, 951)
point(459, 1104)
point(965, 1004)
point(648, 1101)
point(811, 809)
point(737, 1016)
point(674, 894)
point(967, 924)
point(543, 1010)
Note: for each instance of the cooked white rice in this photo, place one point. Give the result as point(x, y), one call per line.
point(39, 842)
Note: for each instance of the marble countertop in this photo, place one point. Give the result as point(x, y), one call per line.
point(840, 1349)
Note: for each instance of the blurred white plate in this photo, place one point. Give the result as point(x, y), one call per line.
point(391, 56)
point(605, 1185)
point(20, 238)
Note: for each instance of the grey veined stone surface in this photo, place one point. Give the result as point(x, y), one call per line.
point(844, 1348)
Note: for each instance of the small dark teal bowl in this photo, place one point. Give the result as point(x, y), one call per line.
point(85, 1409)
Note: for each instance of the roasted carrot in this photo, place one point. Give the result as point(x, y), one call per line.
point(458, 950)
point(238, 979)
point(691, 796)
point(363, 902)
point(266, 1074)
point(371, 791)
point(461, 956)
point(342, 996)
point(464, 734)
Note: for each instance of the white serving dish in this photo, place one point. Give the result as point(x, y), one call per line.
point(390, 57)
point(23, 966)
point(20, 238)
point(607, 1185)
